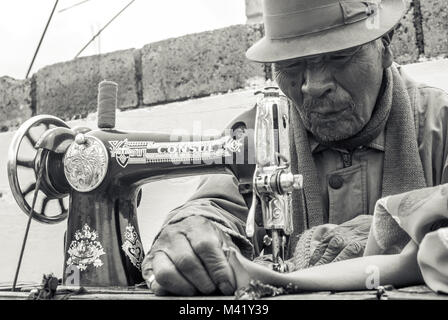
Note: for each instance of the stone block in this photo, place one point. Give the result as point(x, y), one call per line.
point(15, 102)
point(199, 64)
point(435, 27)
point(404, 43)
point(70, 89)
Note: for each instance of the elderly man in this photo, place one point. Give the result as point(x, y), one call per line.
point(362, 130)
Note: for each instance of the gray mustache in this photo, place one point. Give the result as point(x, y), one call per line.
point(311, 104)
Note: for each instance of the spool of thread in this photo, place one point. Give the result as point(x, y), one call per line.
point(107, 104)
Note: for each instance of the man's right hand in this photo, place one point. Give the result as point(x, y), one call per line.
point(188, 259)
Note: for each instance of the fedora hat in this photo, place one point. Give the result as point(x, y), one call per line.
point(300, 28)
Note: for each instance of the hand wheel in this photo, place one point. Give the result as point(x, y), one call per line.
point(52, 208)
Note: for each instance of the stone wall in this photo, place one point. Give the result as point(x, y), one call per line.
point(70, 89)
point(434, 14)
point(404, 42)
point(191, 66)
point(175, 69)
point(15, 102)
point(199, 64)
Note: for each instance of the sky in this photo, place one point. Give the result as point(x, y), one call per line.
point(23, 21)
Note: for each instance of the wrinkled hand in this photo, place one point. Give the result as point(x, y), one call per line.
point(342, 242)
point(188, 259)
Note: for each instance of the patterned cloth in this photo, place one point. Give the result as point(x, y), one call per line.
point(420, 215)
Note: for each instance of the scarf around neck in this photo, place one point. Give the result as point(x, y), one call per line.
point(402, 170)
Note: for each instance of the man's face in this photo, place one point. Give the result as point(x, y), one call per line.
point(335, 93)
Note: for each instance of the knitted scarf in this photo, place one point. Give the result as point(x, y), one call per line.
point(402, 170)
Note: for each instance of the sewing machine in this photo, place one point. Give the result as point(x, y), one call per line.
point(102, 172)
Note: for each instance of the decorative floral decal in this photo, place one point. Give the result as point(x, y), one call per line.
point(233, 145)
point(85, 249)
point(85, 165)
point(132, 247)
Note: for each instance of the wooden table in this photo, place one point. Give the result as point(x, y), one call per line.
point(409, 293)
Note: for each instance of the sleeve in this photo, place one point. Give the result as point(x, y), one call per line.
point(432, 259)
point(218, 199)
point(433, 133)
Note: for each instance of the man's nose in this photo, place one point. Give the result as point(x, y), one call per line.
point(318, 81)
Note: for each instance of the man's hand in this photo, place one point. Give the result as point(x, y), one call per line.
point(342, 242)
point(188, 259)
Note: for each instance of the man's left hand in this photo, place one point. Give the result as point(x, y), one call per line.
point(346, 241)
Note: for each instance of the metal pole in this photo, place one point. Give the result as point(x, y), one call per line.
point(30, 217)
point(42, 38)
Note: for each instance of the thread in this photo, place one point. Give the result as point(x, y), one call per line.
point(107, 104)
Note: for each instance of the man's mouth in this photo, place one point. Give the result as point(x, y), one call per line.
point(328, 113)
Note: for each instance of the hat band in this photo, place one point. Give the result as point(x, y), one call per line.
point(299, 23)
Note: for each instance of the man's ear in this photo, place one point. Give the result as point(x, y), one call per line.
point(387, 56)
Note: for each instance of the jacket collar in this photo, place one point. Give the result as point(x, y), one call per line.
point(377, 143)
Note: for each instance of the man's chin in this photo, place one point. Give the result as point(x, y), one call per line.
point(332, 131)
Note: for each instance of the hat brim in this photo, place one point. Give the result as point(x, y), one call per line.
point(337, 39)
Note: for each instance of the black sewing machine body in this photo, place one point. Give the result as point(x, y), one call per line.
point(111, 208)
point(102, 243)
point(102, 171)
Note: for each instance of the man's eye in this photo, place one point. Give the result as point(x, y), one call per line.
point(345, 56)
point(341, 57)
point(294, 65)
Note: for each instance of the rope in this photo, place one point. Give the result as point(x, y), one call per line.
point(102, 29)
point(73, 6)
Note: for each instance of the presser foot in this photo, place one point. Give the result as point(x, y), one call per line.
point(280, 266)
